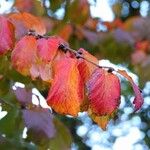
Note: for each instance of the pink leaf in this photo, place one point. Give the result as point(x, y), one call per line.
point(138, 100)
point(48, 48)
point(7, 35)
point(24, 54)
point(103, 92)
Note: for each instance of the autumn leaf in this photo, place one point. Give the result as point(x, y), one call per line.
point(66, 32)
point(20, 28)
point(103, 92)
point(24, 22)
point(24, 54)
point(7, 36)
point(102, 121)
point(86, 68)
point(47, 52)
point(34, 23)
point(42, 70)
point(138, 100)
point(48, 48)
point(66, 93)
point(34, 57)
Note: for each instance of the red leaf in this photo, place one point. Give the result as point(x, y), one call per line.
point(103, 92)
point(24, 54)
point(39, 121)
point(138, 101)
point(86, 68)
point(48, 48)
point(33, 57)
point(66, 93)
point(7, 36)
point(47, 52)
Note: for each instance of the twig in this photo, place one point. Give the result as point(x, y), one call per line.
point(65, 49)
point(79, 55)
point(38, 36)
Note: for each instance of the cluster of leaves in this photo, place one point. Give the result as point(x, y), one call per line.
point(38, 121)
point(78, 83)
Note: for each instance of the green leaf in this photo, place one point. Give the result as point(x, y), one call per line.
point(54, 5)
point(9, 124)
point(63, 139)
point(6, 143)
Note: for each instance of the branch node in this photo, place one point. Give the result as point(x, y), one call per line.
point(78, 56)
point(80, 53)
point(63, 48)
point(110, 70)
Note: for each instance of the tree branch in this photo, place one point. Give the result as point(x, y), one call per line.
point(65, 49)
point(79, 55)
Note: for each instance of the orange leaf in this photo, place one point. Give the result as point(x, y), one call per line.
point(138, 100)
point(24, 54)
point(7, 36)
point(25, 21)
point(103, 92)
point(34, 23)
point(31, 58)
point(102, 121)
point(86, 68)
point(66, 32)
point(66, 93)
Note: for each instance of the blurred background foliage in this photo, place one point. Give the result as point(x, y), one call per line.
point(124, 40)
